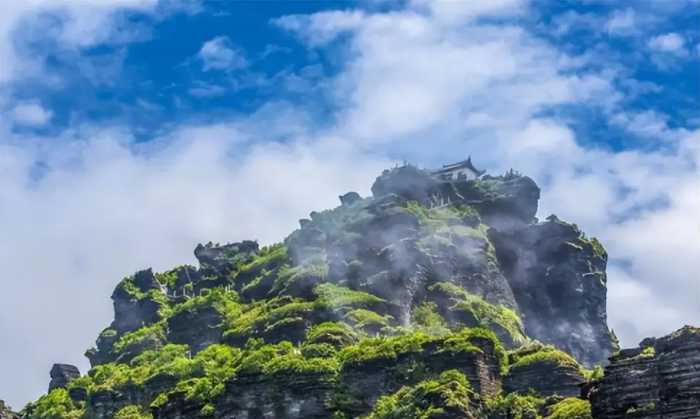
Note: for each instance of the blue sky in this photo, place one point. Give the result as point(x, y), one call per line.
point(132, 130)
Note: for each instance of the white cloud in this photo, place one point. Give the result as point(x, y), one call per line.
point(30, 114)
point(622, 22)
point(220, 54)
point(320, 29)
point(460, 11)
point(670, 43)
point(84, 23)
point(647, 124)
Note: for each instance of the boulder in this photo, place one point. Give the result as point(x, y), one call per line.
point(62, 374)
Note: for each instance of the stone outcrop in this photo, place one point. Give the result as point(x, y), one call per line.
point(62, 374)
point(559, 282)
point(659, 379)
point(6, 412)
point(407, 299)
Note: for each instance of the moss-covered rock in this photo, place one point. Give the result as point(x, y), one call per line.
point(399, 305)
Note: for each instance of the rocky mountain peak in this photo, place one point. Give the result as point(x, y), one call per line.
point(441, 295)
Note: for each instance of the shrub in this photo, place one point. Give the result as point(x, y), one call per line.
point(426, 318)
point(447, 396)
point(224, 301)
point(467, 339)
point(490, 316)
point(514, 406)
point(269, 257)
point(371, 349)
point(333, 333)
point(54, 405)
point(334, 296)
point(367, 319)
point(132, 412)
point(154, 333)
point(570, 408)
point(545, 354)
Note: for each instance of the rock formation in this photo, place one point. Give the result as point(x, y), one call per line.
point(659, 379)
point(61, 375)
point(431, 298)
point(6, 412)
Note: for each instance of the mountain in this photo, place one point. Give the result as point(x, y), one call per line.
point(440, 296)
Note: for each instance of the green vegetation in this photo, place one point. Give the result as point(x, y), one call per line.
point(334, 296)
point(132, 412)
point(54, 405)
point(446, 396)
point(471, 340)
point(269, 257)
point(648, 352)
point(514, 406)
point(153, 335)
point(225, 302)
point(367, 320)
point(598, 248)
point(300, 278)
point(496, 317)
point(333, 333)
point(383, 348)
point(425, 318)
point(570, 408)
point(539, 353)
point(596, 373)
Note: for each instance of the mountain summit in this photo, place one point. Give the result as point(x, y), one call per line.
point(440, 296)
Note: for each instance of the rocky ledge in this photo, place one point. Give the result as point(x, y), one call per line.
point(436, 297)
point(659, 379)
point(6, 412)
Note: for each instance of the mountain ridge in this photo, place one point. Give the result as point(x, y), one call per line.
point(440, 297)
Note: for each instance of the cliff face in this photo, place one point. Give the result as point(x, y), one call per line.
point(6, 413)
point(659, 379)
point(432, 298)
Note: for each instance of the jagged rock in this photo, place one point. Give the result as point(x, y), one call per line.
point(545, 379)
point(349, 198)
point(145, 280)
point(131, 313)
point(660, 379)
point(208, 329)
point(505, 202)
point(215, 259)
point(559, 282)
point(6, 412)
point(364, 384)
point(396, 296)
point(62, 374)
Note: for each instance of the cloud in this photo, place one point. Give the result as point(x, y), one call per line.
point(82, 25)
point(623, 22)
point(672, 43)
point(30, 114)
point(220, 54)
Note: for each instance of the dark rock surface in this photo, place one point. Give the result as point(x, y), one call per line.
point(558, 278)
point(62, 374)
point(660, 379)
point(216, 259)
point(546, 379)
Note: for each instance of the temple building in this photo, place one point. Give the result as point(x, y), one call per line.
point(463, 170)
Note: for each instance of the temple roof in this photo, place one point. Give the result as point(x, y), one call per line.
point(459, 165)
